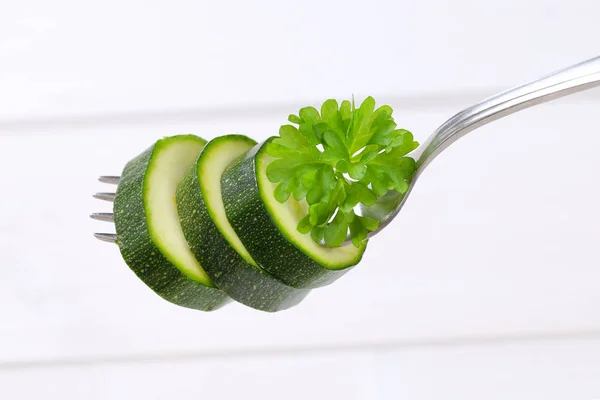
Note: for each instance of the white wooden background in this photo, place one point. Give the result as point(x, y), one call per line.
point(486, 286)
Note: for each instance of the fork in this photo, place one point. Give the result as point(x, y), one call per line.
point(582, 76)
point(576, 78)
point(107, 217)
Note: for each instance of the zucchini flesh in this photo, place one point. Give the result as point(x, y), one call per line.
point(267, 228)
point(149, 234)
point(213, 240)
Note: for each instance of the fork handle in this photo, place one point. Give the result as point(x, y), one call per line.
point(575, 78)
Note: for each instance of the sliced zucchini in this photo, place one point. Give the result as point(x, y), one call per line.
point(212, 239)
point(148, 230)
point(267, 228)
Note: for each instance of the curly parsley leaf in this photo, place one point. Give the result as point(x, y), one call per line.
point(337, 158)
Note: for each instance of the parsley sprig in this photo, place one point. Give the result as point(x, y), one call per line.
point(337, 158)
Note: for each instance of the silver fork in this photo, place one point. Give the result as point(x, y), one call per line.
point(573, 79)
point(107, 217)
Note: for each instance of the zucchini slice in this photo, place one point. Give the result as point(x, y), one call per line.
point(267, 228)
point(148, 229)
point(212, 239)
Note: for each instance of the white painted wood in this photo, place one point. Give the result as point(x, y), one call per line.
point(67, 57)
point(293, 378)
point(546, 370)
point(499, 238)
point(531, 371)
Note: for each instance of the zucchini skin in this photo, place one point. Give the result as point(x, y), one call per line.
point(252, 221)
point(244, 282)
point(140, 252)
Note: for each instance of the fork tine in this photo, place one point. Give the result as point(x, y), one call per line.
point(105, 196)
point(114, 180)
point(106, 237)
point(107, 217)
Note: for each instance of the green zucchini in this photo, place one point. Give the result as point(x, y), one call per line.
point(267, 228)
point(212, 239)
point(148, 230)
